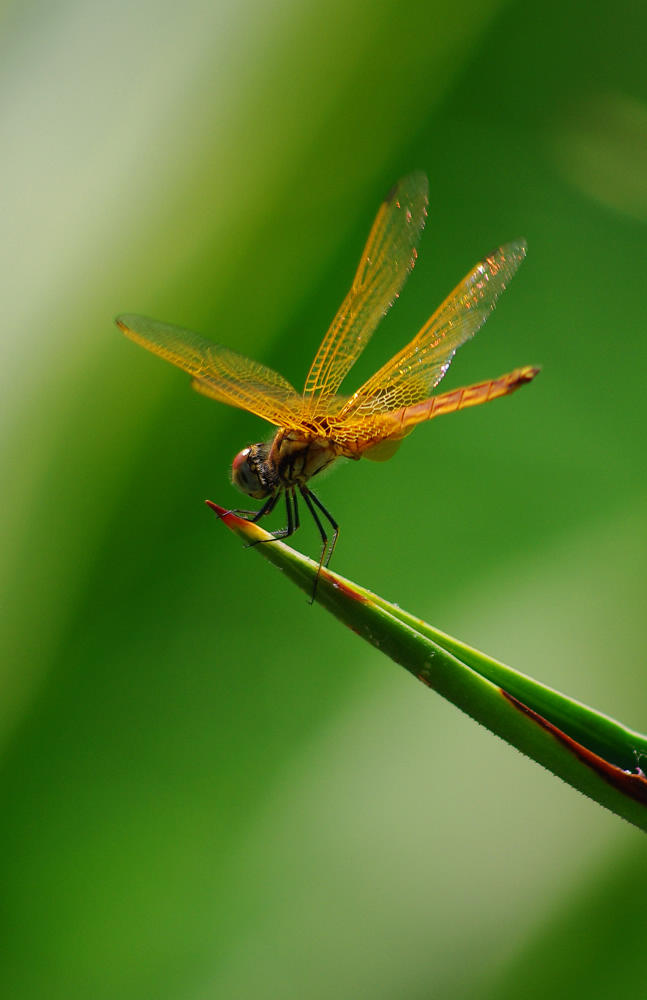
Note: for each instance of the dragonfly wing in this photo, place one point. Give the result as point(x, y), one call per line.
point(217, 371)
point(410, 376)
point(388, 257)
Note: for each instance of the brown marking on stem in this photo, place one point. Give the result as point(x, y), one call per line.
point(345, 589)
point(632, 785)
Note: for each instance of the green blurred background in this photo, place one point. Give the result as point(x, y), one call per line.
point(209, 789)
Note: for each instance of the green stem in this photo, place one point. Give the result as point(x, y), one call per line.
point(592, 752)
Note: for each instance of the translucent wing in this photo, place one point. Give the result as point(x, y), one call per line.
point(410, 376)
point(219, 372)
point(388, 257)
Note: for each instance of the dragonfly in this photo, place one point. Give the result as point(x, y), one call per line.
point(319, 426)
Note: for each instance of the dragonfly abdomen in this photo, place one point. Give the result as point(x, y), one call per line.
point(468, 395)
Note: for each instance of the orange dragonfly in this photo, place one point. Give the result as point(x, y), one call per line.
point(318, 426)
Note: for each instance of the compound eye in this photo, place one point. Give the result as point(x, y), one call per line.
point(244, 477)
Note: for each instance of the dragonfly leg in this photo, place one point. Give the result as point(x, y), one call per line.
point(312, 502)
point(292, 510)
point(267, 508)
point(335, 527)
point(255, 515)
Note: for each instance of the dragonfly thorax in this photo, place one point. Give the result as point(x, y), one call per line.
point(291, 459)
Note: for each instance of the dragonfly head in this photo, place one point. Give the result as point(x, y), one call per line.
point(249, 472)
